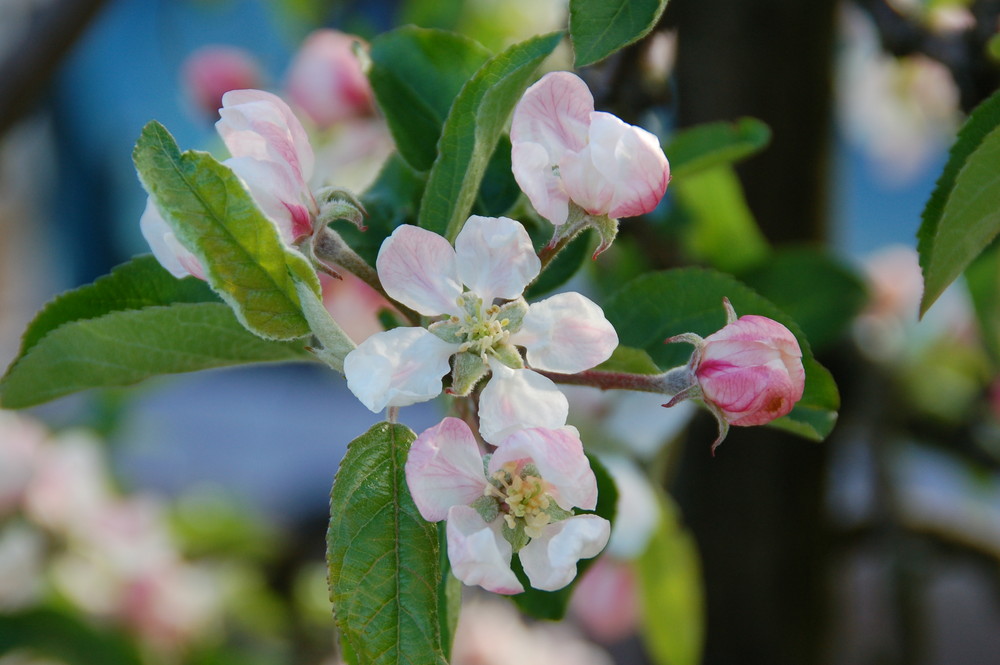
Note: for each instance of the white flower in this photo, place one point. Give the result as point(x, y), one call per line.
point(493, 260)
point(521, 502)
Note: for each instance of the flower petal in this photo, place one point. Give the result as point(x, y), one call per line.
point(566, 333)
point(445, 469)
point(278, 193)
point(641, 169)
point(519, 398)
point(478, 553)
point(550, 560)
point(555, 113)
point(418, 268)
point(560, 459)
point(398, 367)
point(173, 256)
point(533, 170)
point(326, 79)
point(495, 257)
point(257, 124)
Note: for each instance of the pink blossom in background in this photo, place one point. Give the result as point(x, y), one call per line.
point(353, 304)
point(21, 444)
point(525, 497)
point(564, 151)
point(606, 602)
point(326, 80)
point(211, 71)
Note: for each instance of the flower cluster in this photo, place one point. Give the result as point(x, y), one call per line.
point(519, 499)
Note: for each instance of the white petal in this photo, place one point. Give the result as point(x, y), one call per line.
point(519, 398)
point(418, 268)
point(398, 367)
point(585, 183)
point(534, 173)
point(478, 553)
point(258, 124)
point(166, 248)
point(444, 469)
point(638, 511)
point(555, 113)
point(550, 560)
point(566, 333)
point(495, 257)
point(632, 161)
point(560, 459)
point(277, 191)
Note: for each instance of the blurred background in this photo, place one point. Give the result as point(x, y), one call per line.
point(183, 521)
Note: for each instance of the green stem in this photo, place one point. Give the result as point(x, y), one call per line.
point(669, 383)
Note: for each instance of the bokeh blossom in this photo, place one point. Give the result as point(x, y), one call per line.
point(492, 260)
point(212, 71)
point(522, 501)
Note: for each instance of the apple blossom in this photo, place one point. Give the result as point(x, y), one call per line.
point(492, 260)
point(326, 80)
point(211, 71)
point(748, 373)
point(581, 166)
point(520, 499)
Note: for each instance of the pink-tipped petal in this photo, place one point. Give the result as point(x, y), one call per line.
point(550, 560)
point(178, 261)
point(631, 159)
point(278, 193)
point(560, 459)
point(518, 398)
point(258, 124)
point(419, 269)
point(211, 71)
point(585, 183)
point(533, 170)
point(566, 333)
point(398, 367)
point(478, 553)
point(444, 469)
point(555, 113)
point(495, 257)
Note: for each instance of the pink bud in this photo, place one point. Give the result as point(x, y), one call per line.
point(212, 71)
point(751, 371)
point(326, 80)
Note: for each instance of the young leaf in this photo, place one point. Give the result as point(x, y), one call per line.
point(383, 557)
point(598, 28)
point(415, 74)
point(552, 605)
point(715, 144)
point(658, 305)
point(215, 217)
point(673, 614)
point(65, 637)
point(124, 347)
point(981, 124)
point(474, 126)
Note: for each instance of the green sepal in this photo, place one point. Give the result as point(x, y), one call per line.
point(514, 312)
point(516, 536)
point(487, 507)
point(508, 355)
point(448, 330)
point(468, 370)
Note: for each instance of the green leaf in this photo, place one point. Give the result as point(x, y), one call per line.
point(629, 360)
point(449, 594)
point(715, 144)
point(383, 556)
point(598, 28)
point(213, 215)
point(673, 604)
point(817, 290)
point(393, 199)
point(655, 306)
point(722, 230)
point(475, 123)
point(416, 74)
point(499, 190)
point(552, 605)
point(983, 281)
point(961, 216)
point(124, 347)
point(62, 636)
point(562, 268)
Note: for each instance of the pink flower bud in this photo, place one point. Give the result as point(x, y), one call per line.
point(326, 80)
point(748, 373)
point(212, 71)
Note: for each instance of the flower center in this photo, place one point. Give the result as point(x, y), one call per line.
point(480, 327)
point(523, 496)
